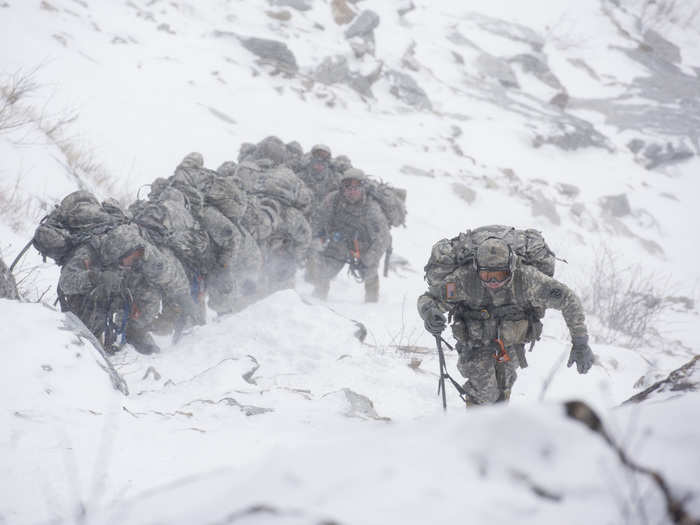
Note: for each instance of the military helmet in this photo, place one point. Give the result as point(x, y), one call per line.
point(271, 148)
point(227, 168)
point(295, 149)
point(192, 160)
point(246, 149)
point(494, 262)
point(354, 174)
point(321, 148)
point(120, 242)
point(342, 163)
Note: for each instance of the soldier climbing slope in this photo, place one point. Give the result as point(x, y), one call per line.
point(351, 229)
point(495, 282)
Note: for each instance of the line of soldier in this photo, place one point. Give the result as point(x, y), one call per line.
point(233, 235)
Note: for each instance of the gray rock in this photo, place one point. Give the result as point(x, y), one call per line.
point(363, 25)
point(8, 286)
point(299, 5)
point(360, 406)
point(683, 379)
point(661, 47)
point(635, 145)
point(497, 68)
point(335, 70)
point(657, 155)
point(616, 205)
point(272, 51)
point(542, 206)
point(572, 134)
point(464, 192)
point(540, 69)
point(568, 190)
point(406, 89)
point(412, 170)
point(332, 70)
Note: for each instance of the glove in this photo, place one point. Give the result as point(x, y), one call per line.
point(109, 281)
point(581, 354)
point(435, 321)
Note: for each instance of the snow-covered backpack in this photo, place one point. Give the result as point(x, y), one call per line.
point(449, 254)
point(76, 220)
point(283, 185)
point(391, 200)
point(168, 223)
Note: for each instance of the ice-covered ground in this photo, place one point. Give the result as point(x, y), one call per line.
point(279, 414)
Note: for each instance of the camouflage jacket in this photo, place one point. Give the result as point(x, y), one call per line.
point(341, 223)
point(529, 291)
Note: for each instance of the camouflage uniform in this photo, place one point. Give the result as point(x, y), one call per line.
point(318, 174)
point(482, 317)
point(343, 228)
point(8, 287)
point(220, 205)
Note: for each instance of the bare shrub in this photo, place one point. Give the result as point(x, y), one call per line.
point(627, 300)
point(16, 112)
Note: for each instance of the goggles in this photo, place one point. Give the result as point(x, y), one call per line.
point(494, 276)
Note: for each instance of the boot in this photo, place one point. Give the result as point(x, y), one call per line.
point(141, 340)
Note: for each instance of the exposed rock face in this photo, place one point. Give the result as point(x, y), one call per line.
point(616, 205)
point(8, 286)
point(684, 379)
point(272, 51)
point(363, 25)
point(299, 5)
point(657, 155)
point(661, 47)
point(497, 68)
point(536, 66)
point(572, 135)
point(335, 70)
point(406, 89)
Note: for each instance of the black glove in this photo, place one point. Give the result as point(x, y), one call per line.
point(581, 354)
point(435, 321)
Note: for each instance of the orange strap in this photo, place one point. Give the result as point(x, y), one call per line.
point(356, 251)
point(502, 355)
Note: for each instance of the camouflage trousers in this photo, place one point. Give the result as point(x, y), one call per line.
point(323, 269)
point(489, 380)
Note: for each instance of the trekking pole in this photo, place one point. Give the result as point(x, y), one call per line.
point(443, 371)
point(24, 250)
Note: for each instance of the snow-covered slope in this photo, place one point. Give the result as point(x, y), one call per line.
point(518, 113)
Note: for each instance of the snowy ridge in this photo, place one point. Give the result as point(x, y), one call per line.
point(279, 414)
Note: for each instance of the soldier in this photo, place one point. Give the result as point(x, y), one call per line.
point(351, 228)
point(319, 175)
point(495, 304)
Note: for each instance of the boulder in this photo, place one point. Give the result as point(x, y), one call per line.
point(616, 205)
point(363, 25)
point(272, 51)
point(406, 89)
point(299, 5)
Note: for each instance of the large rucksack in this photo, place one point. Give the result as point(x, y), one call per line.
point(76, 220)
point(283, 185)
point(449, 254)
point(162, 224)
point(391, 200)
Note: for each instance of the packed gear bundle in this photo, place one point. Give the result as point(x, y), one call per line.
point(76, 220)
